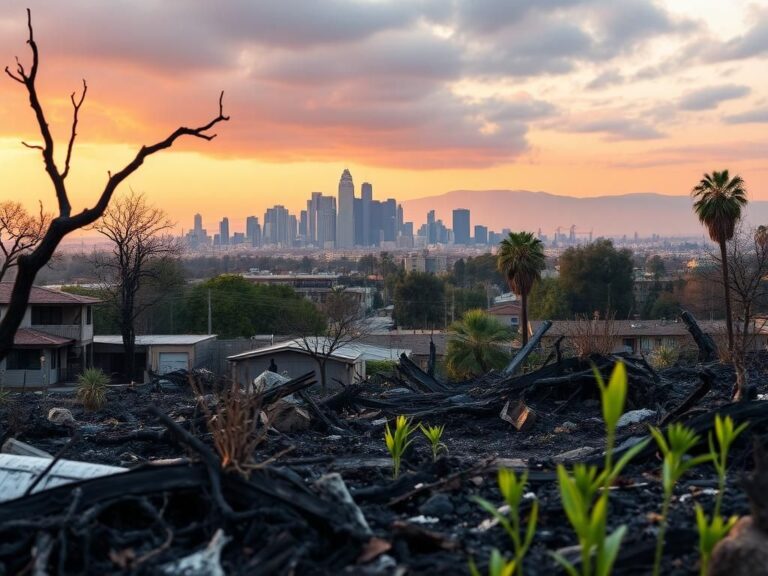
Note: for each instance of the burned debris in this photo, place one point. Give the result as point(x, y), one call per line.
point(201, 476)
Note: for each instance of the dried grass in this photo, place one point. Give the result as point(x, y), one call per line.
point(236, 423)
point(588, 336)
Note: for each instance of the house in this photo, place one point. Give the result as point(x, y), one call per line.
point(54, 342)
point(417, 341)
point(508, 313)
point(346, 364)
point(643, 336)
point(157, 353)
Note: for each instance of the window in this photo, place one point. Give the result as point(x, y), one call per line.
point(23, 360)
point(89, 315)
point(46, 315)
point(54, 359)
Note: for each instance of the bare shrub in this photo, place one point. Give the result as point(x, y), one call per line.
point(664, 356)
point(236, 423)
point(588, 336)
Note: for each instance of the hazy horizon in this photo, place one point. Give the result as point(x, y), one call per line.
point(583, 98)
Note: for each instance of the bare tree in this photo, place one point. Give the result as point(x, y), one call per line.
point(20, 233)
point(64, 222)
point(747, 270)
point(139, 234)
point(344, 326)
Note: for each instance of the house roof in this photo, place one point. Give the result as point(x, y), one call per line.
point(505, 309)
point(29, 338)
point(40, 295)
point(629, 328)
point(157, 339)
point(416, 341)
point(347, 353)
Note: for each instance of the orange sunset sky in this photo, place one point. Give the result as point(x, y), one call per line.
point(572, 97)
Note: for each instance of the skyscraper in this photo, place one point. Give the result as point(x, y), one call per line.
point(389, 220)
point(461, 226)
point(224, 231)
point(277, 226)
point(481, 235)
point(431, 230)
point(325, 219)
point(366, 193)
point(253, 231)
point(345, 217)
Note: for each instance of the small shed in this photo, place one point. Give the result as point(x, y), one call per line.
point(159, 353)
point(346, 364)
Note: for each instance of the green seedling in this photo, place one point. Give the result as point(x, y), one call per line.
point(577, 492)
point(497, 566)
point(512, 488)
point(725, 435)
point(584, 492)
point(674, 449)
point(434, 435)
point(710, 533)
point(613, 396)
point(398, 441)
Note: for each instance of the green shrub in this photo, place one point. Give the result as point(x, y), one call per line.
point(92, 388)
point(379, 366)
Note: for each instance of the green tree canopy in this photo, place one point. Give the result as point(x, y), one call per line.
point(476, 345)
point(419, 301)
point(243, 309)
point(548, 301)
point(597, 278)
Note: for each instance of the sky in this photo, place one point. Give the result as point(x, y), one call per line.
point(418, 97)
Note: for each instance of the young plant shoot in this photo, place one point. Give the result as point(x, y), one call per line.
point(725, 435)
point(710, 533)
point(674, 449)
point(497, 566)
point(512, 488)
point(398, 441)
point(434, 435)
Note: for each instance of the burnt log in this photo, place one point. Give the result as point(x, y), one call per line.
point(517, 362)
point(705, 343)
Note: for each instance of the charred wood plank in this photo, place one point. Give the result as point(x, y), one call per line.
point(423, 382)
point(525, 351)
point(705, 343)
point(273, 395)
point(692, 399)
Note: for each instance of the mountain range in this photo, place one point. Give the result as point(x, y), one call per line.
point(644, 213)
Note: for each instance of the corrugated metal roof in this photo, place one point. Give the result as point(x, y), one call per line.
point(157, 339)
point(40, 295)
point(18, 472)
point(350, 352)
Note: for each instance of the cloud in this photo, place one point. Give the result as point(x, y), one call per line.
point(616, 128)
point(711, 97)
point(757, 116)
point(606, 79)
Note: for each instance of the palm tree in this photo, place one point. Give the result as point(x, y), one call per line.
point(521, 260)
point(475, 345)
point(719, 200)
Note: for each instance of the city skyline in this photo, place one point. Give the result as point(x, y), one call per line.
point(563, 97)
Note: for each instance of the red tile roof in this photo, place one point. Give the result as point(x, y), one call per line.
point(505, 309)
point(40, 295)
point(34, 338)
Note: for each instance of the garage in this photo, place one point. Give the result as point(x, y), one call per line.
point(172, 361)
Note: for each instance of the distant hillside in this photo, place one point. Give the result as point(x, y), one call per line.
point(644, 213)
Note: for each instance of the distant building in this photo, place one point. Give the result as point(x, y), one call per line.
point(461, 226)
point(277, 227)
point(253, 231)
point(345, 218)
point(481, 235)
point(366, 193)
point(224, 231)
point(198, 236)
point(508, 313)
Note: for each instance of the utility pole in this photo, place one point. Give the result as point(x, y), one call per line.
point(210, 316)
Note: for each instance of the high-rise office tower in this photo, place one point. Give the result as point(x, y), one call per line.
point(399, 219)
point(377, 223)
point(389, 220)
point(325, 221)
point(303, 225)
point(253, 231)
point(366, 193)
point(312, 217)
point(224, 231)
point(481, 235)
point(277, 226)
point(359, 222)
point(345, 217)
point(461, 226)
point(431, 230)
point(198, 223)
